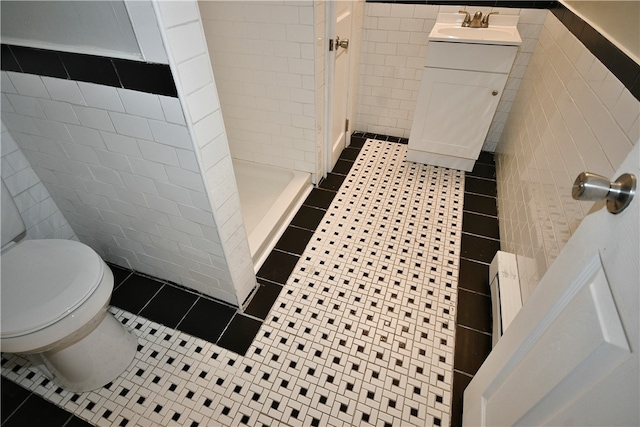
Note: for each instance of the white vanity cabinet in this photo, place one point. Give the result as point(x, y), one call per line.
point(461, 87)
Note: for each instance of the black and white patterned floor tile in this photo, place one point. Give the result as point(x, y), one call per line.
point(362, 333)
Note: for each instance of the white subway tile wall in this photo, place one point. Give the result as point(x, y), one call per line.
point(212, 184)
point(393, 56)
point(265, 62)
point(121, 166)
point(571, 115)
point(41, 215)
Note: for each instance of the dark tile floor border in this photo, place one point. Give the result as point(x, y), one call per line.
point(479, 243)
point(21, 407)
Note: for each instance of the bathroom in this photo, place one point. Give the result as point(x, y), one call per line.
point(537, 217)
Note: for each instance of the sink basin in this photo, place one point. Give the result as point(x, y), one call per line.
point(449, 28)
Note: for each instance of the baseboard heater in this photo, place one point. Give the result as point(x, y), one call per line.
point(506, 299)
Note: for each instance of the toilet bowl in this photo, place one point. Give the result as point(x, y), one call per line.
point(55, 296)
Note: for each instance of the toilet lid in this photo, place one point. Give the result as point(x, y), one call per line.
point(43, 281)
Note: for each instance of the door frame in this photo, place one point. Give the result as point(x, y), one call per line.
point(329, 63)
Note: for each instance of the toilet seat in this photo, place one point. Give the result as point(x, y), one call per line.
point(46, 280)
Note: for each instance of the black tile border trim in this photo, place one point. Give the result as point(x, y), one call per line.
point(124, 73)
point(163, 283)
point(462, 361)
point(528, 4)
point(619, 63)
point(157, 78)
point(367, 135)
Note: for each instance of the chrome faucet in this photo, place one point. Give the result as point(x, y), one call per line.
point(467, 18)
point(485, 20)
point(478, 21)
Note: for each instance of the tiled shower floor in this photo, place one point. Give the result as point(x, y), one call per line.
point(362, 332)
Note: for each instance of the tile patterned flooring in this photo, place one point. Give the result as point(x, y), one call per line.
point(362, 329)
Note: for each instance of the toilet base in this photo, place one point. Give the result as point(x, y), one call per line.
point(94, 361)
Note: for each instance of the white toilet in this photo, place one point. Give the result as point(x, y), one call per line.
point(55, 295)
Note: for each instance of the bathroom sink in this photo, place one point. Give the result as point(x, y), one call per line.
point(502, 30)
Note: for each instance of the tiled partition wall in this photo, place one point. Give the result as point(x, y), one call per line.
point(41, 216)
point(184, 37)
point(263, 57)
point(571, 115)
point(144, 179)
point(395, 42)
point(121, 166)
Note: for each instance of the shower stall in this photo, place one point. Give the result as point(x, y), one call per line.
point(263, 57)
point(269, 197)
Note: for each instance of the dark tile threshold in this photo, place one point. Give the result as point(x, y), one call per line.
point(332, 182)
point(474, 311)
point(21, 407)
point(479, 243)
point(366, 135)
point(478, 248)
point(460, 383)
point(480, 225)
point(485, 187)
point(264, 299)
point(173, 306)
point(483, 170)
point(478, 203)
point(473, 276)
point(471, 349)
point(294, 240)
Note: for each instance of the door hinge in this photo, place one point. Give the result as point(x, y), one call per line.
point(346, 125)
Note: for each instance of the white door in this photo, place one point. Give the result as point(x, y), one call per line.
point(570, 357)
point(340, 88)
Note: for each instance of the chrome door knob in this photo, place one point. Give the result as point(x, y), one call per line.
point(618, 194)
point(343, 43)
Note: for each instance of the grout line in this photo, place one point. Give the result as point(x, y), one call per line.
point(299, 228)
point(251, 316)
point(227, 327)
point(475, 260)
point(289, 253)
point(473, 292)
point(186, 313)
point(480, 194)
point(463, 372)
point(69, 420)
point(286, 252)
point(149, 301)
point(480, 177)
point(21, 403)
point(269, 281)
point(480, 236)
point(479, 213)
point(474, 330)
